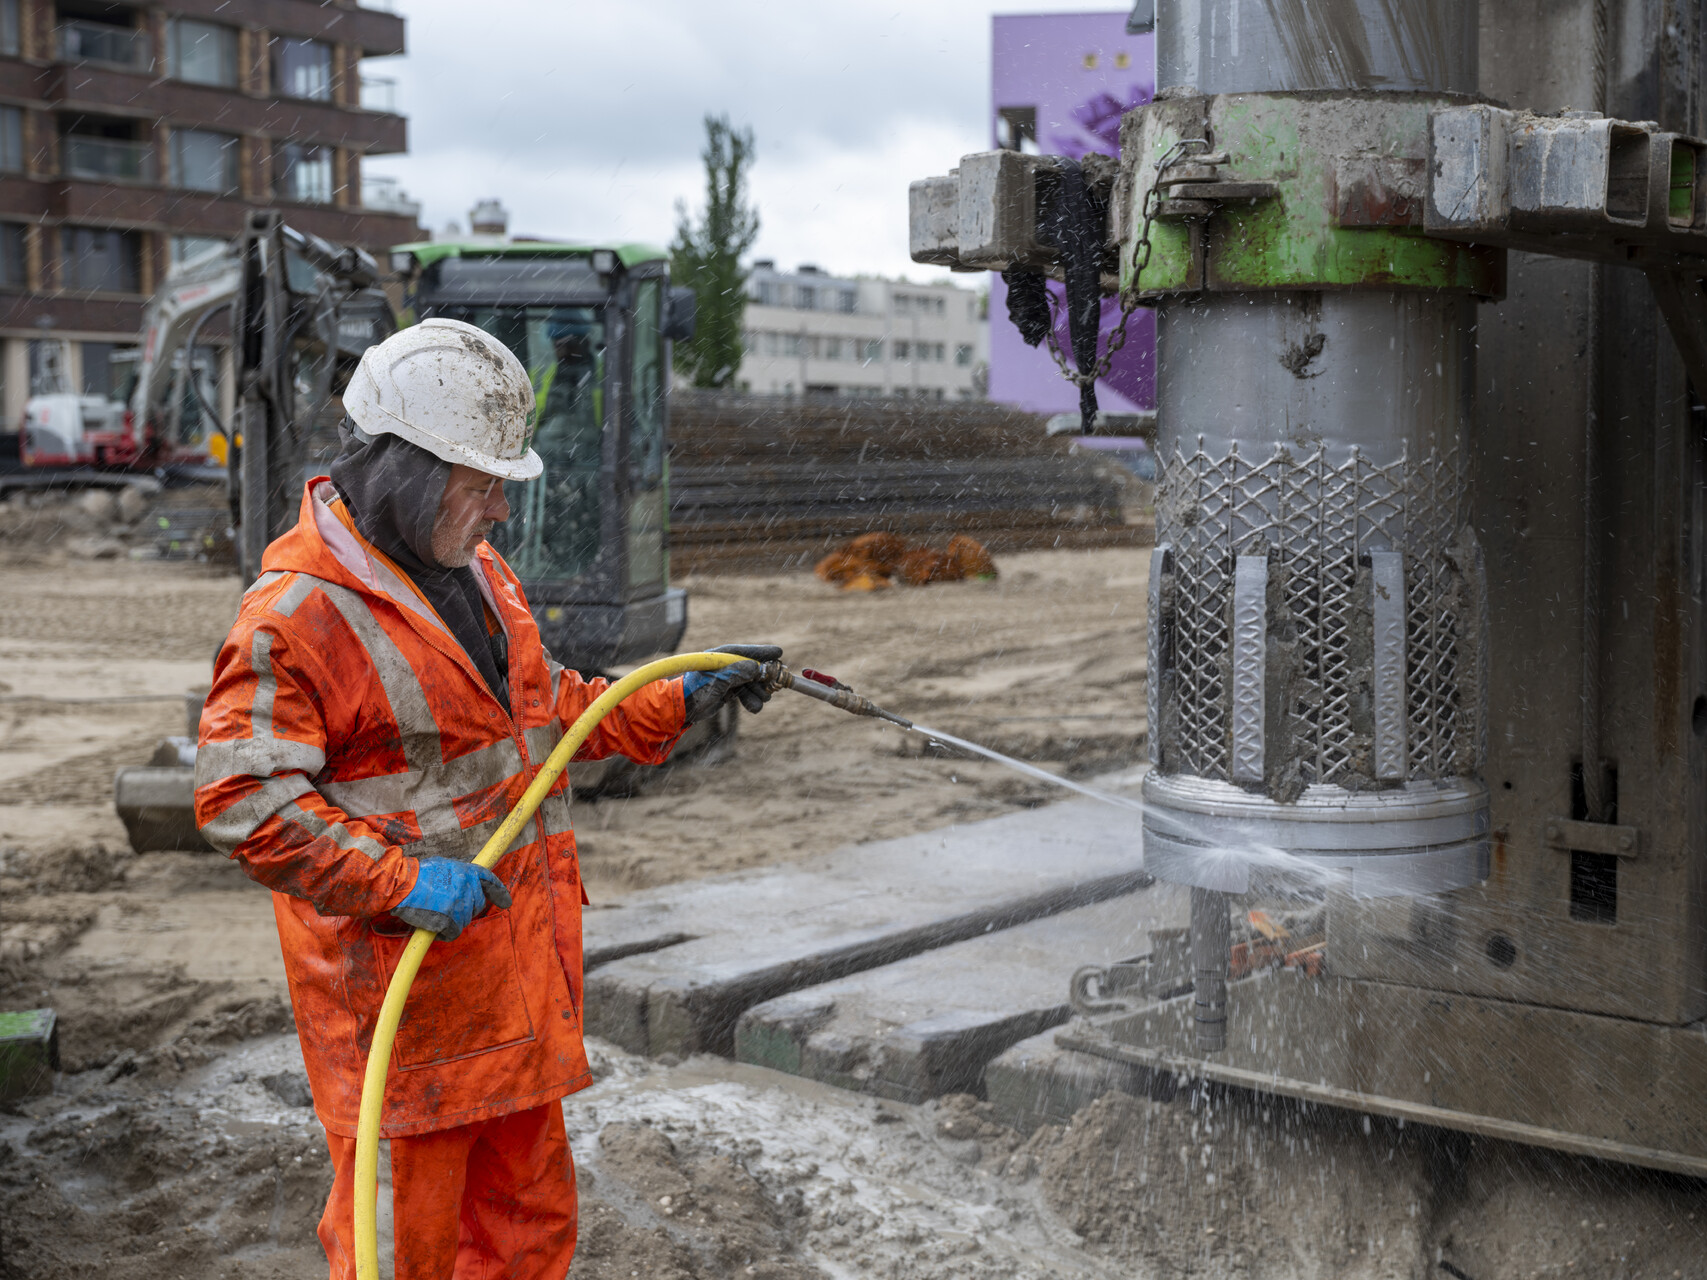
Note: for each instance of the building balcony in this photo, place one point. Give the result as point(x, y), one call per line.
point(386, 195)
point(375, 230)
point(174, 212)
point(70, 314)
point(103, 90)
point(379, 93)
point(83, 41)
point(144, 207)
point(373, 27)
point(106, 159)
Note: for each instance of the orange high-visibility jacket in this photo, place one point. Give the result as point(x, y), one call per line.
point(347, 734)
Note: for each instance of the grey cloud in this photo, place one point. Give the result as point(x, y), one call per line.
point(569, 111)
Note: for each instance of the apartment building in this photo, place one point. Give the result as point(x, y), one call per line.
point(810, 333)
point(133, 135)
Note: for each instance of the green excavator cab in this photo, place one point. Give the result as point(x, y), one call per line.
point(592, 324)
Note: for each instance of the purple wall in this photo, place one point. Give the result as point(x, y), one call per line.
point(1041, 61)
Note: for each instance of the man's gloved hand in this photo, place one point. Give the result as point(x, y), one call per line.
point(705, 691)
point(448, 894)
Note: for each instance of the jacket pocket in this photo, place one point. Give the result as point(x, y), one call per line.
point(467, 999)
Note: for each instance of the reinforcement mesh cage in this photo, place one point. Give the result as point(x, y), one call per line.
point(1316, 520)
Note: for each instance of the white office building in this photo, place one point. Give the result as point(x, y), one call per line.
point(811, 333)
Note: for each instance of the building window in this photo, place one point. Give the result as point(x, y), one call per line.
point(874, 350)
point(10, 45)
point(903, 349)
point(1016, 129)
point(98, 371)
point(846, 301)
point(93, 37)
point(106, 150)
point(832, 348)
point(100, 260)
point(937, 355)
point(963, 354)
point(204, 161)
point(302, 68)
point(12, 268)
point(806, 297)
point(11, 140)
point(48, 376)
point(203, 52)
point(302, 172)
point(186, 248)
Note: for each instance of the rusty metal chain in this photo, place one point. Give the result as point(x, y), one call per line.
point(1129, 297)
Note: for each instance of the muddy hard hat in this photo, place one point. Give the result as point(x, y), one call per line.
point(454, 390)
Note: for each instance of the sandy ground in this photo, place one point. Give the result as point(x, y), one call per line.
point(179, 1143)
point(1044, 663)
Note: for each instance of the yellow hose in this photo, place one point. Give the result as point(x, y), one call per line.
point(391, 1012)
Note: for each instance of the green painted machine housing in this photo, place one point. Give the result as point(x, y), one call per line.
point(427, 252)
point(1350, 176)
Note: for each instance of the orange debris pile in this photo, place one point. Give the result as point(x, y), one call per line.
point(874, 561)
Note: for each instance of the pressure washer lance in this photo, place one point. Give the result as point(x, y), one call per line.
point(815, 684)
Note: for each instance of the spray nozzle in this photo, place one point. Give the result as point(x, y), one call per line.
point(825, 688)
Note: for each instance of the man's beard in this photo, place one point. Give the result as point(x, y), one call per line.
point(454, 548)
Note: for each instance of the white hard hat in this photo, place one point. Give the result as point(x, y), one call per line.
point(453, 389)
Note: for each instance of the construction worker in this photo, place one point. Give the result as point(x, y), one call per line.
point(381, 703)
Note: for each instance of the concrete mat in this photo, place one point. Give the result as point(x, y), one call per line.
point(1037, 1082)
point(757, 935)
point(926, 1026)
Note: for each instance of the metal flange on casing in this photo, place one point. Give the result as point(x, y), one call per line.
point(1347, 177)
point(990, 213)
point(1573, 185)
point(1417, 839)
point(1580, 185)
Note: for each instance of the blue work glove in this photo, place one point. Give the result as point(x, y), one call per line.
point(448, 894)
point(705, 691)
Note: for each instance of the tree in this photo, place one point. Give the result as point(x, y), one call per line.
point(707, 257)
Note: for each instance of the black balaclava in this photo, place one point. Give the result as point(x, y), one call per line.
point(393, 489)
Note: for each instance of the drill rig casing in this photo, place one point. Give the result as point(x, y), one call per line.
point(1427, 600)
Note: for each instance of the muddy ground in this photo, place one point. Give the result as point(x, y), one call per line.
point(179, 1143)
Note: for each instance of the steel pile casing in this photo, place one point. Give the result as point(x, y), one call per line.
point(1318, 679)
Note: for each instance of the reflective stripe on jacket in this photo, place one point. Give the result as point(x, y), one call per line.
point(346, 734)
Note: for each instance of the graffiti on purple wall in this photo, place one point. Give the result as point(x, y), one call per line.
point(1075, 75)
point(1100, 118)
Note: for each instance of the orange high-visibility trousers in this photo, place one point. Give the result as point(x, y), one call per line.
point(478, 1202)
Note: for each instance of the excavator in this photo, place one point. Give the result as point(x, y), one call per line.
point(593, 325)
point(161, 413)
point(589, 538)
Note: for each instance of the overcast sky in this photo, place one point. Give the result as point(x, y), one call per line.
point(586, 119)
